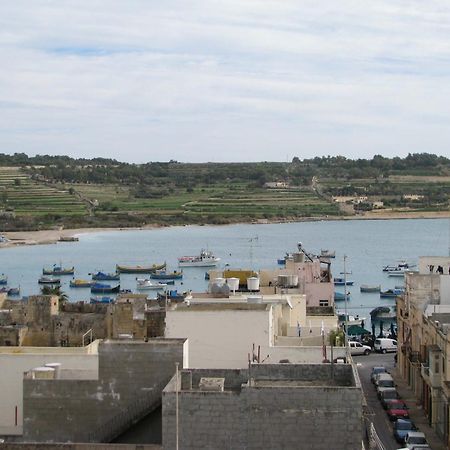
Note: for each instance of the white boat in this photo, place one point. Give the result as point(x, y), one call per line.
point(351, 320)
point(144, 284)
point(400, 267)
point(205, 259)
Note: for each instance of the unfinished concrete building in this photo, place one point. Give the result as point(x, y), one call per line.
point(268, 406)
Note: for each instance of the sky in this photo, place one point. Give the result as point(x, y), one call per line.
point(215, 80)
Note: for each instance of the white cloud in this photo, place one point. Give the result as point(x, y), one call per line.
point(236, 80)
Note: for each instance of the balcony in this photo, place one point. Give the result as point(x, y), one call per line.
point(432, 379)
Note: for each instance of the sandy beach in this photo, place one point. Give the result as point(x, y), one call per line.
point(52, 236)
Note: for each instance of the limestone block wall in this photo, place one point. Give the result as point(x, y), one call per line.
point(296, 406)
point(132, 376)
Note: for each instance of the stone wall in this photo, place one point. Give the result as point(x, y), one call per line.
point(132, 376)
point(287, 406)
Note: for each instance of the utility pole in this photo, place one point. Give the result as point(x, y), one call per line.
point(346, 314)
point(176, 406)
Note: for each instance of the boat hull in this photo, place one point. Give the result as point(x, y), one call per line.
point(140, 269)
point(95, 289)
point(100, 276)
point(365, 288)
point(58, 271)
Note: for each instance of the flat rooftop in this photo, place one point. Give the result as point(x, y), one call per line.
point(221, 306)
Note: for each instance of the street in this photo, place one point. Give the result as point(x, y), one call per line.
point(379, 417)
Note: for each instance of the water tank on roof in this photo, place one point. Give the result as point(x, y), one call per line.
point(219, 281)
point(299, 257)
point(253, 284)
point(233, 283)
point(57, 367)
point(43, 373)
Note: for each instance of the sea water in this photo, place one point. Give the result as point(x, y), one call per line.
point(367, 244)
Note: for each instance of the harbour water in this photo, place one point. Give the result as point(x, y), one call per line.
point(368, 245)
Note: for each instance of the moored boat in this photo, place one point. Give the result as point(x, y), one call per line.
point(58, 270)
point(101, 288)
point(391, 293)
point(204, 259)
point(171, 295)
point(3, 279)
point(342, 282)
point(49, 280)
point(164, 275)
point(401, 266)
point(144, 284)
point(340, 296)
point(140, 269)
point(327, 254)
point(14, 291)
point(103, 276)
point(95, 300)
point(369, 288)
point(351, 320)
point(80, 283)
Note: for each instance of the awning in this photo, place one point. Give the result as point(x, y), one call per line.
point(356, 330)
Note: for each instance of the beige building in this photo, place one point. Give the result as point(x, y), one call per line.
point(423, 318)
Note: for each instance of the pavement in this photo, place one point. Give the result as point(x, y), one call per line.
point(416, 413)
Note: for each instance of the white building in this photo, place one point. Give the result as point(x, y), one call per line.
point(77, 362)
point(223, 332)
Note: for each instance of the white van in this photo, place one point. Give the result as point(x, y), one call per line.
point(384, 345)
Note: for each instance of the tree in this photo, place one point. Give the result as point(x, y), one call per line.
point(55, 290)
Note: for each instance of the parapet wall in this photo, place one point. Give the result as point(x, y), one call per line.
point(132, 376)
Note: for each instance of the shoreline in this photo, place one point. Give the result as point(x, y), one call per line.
point(42, 237)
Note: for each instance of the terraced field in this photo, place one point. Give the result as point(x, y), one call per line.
point(227, 201)
point(26, 197)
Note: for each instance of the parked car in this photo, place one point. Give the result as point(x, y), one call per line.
point(384, 380)
point(397, 411)
point(356, 348)
point(375, 371)
point(415, 439)
point(387, 394)
point(384, 345)
point(401, 429)
point(390, 403)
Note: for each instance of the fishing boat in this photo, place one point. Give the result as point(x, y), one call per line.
point(391, 293)
point(140, 269)
point(49, 280)
point(58, 270)
point(351, 320)
point(95, 300)
point(400, 273)
point(204, 259)
point(369, 288)
point(340, 296)
point(3, 279)
point(144, 284)
point(164, 275)
point(80, 283)
point(342, 282)
point(14, 291)
point(401, 266)
point(103, 276)
point(327, 254)
point(171, 295)
point(101, 288)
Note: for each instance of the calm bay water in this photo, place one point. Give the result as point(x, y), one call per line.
point(368, 244)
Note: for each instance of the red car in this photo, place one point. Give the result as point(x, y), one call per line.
point(397, 409)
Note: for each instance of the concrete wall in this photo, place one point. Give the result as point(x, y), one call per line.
point(15, 361)
point(132, 375)
point(273, 413)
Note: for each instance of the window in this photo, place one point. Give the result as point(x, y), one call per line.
point(323, 302)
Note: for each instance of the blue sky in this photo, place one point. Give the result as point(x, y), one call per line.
point(247, 80)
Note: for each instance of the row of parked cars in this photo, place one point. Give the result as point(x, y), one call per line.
point(405, 431)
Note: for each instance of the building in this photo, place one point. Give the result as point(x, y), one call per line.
point(224, 331)
point(264, 406)
point(91, 394)
point(423, 318)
